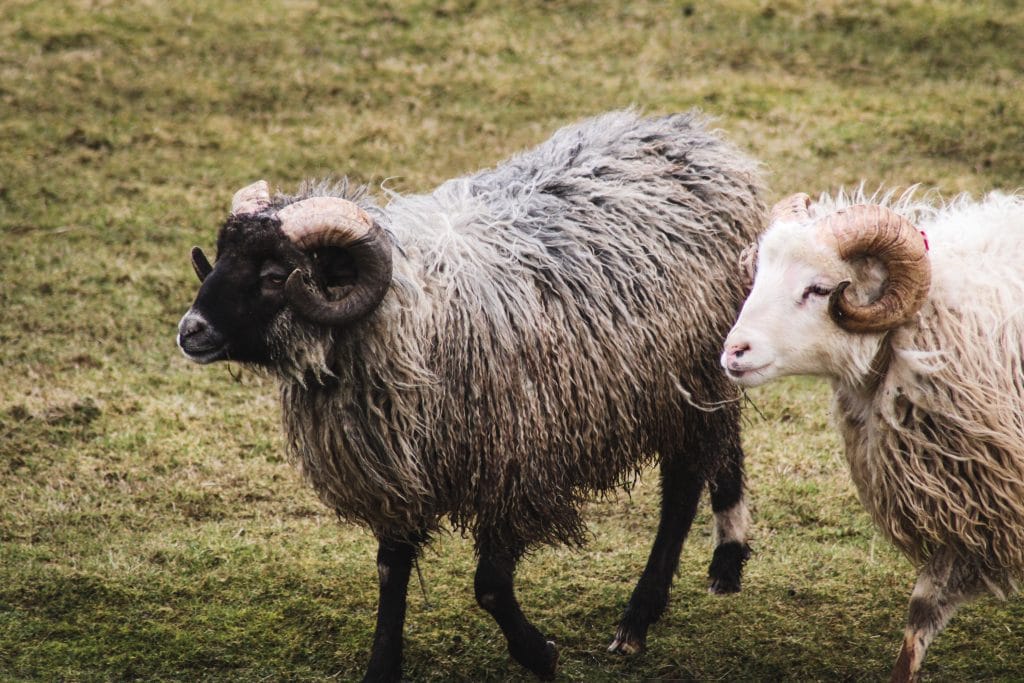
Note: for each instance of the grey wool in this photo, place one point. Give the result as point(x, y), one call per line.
point(552, 324)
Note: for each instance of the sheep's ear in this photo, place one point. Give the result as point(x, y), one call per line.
point(251, 198)
point(200, 264)
point(748, 265)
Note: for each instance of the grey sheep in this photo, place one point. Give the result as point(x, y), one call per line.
point(498, 351)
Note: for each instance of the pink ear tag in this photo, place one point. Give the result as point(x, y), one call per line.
point(924, 236)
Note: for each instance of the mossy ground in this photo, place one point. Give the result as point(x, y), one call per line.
point(150, 527)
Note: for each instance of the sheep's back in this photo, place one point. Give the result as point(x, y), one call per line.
point(579, 294)
point(628, 224)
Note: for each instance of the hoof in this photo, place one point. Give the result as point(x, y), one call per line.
point(627, 645)
point(727, 568)
point(541, 661)
point(390, 676)
point(904, 672)
point(723, 588)
point(723, 585)
point(545, 669)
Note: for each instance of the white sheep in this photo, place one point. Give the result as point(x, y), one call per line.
point(920, 334)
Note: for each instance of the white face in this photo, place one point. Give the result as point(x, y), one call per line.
point(784, 327)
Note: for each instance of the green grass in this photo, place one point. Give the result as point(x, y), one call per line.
point(150, 527)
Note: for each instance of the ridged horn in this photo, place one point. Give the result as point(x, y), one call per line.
point(251, 198)
point(792, 208)
point(334, 222)
point(876, 231)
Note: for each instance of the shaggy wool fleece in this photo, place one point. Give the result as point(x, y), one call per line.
point(551, 326)
point(937, 452)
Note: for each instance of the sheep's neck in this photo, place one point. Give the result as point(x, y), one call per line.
point(879, 365)
point(854, 394)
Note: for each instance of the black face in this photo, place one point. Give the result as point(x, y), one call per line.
point(243, 294)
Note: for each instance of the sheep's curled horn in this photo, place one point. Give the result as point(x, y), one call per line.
point(875, 231)
point(792, 208)
point(312, 224)
point(334, 222)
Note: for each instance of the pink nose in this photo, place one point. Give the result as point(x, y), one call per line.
point(733, 353)
point(736, 350)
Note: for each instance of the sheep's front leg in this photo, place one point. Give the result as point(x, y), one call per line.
point(394, 564)
point(494, 593)
point(681, 486)
point(942, 586)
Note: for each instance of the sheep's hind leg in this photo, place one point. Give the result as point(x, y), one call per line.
point(942, 586)
point(681, 486)
point(394, 564)
point(732, 520)
point(494, 593)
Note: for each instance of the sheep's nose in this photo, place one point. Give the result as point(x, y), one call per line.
point(191, 325)
point(199, 340)
point(731, 355)
point(736, 350)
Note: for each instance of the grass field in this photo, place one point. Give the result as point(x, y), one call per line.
point(150, 526)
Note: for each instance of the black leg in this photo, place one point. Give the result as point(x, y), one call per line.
point(394, 564)
point(731, 523)
point(681, 487)
point(494, 592)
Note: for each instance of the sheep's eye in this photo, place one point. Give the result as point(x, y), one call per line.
point(817, 290)
point(273, 277)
